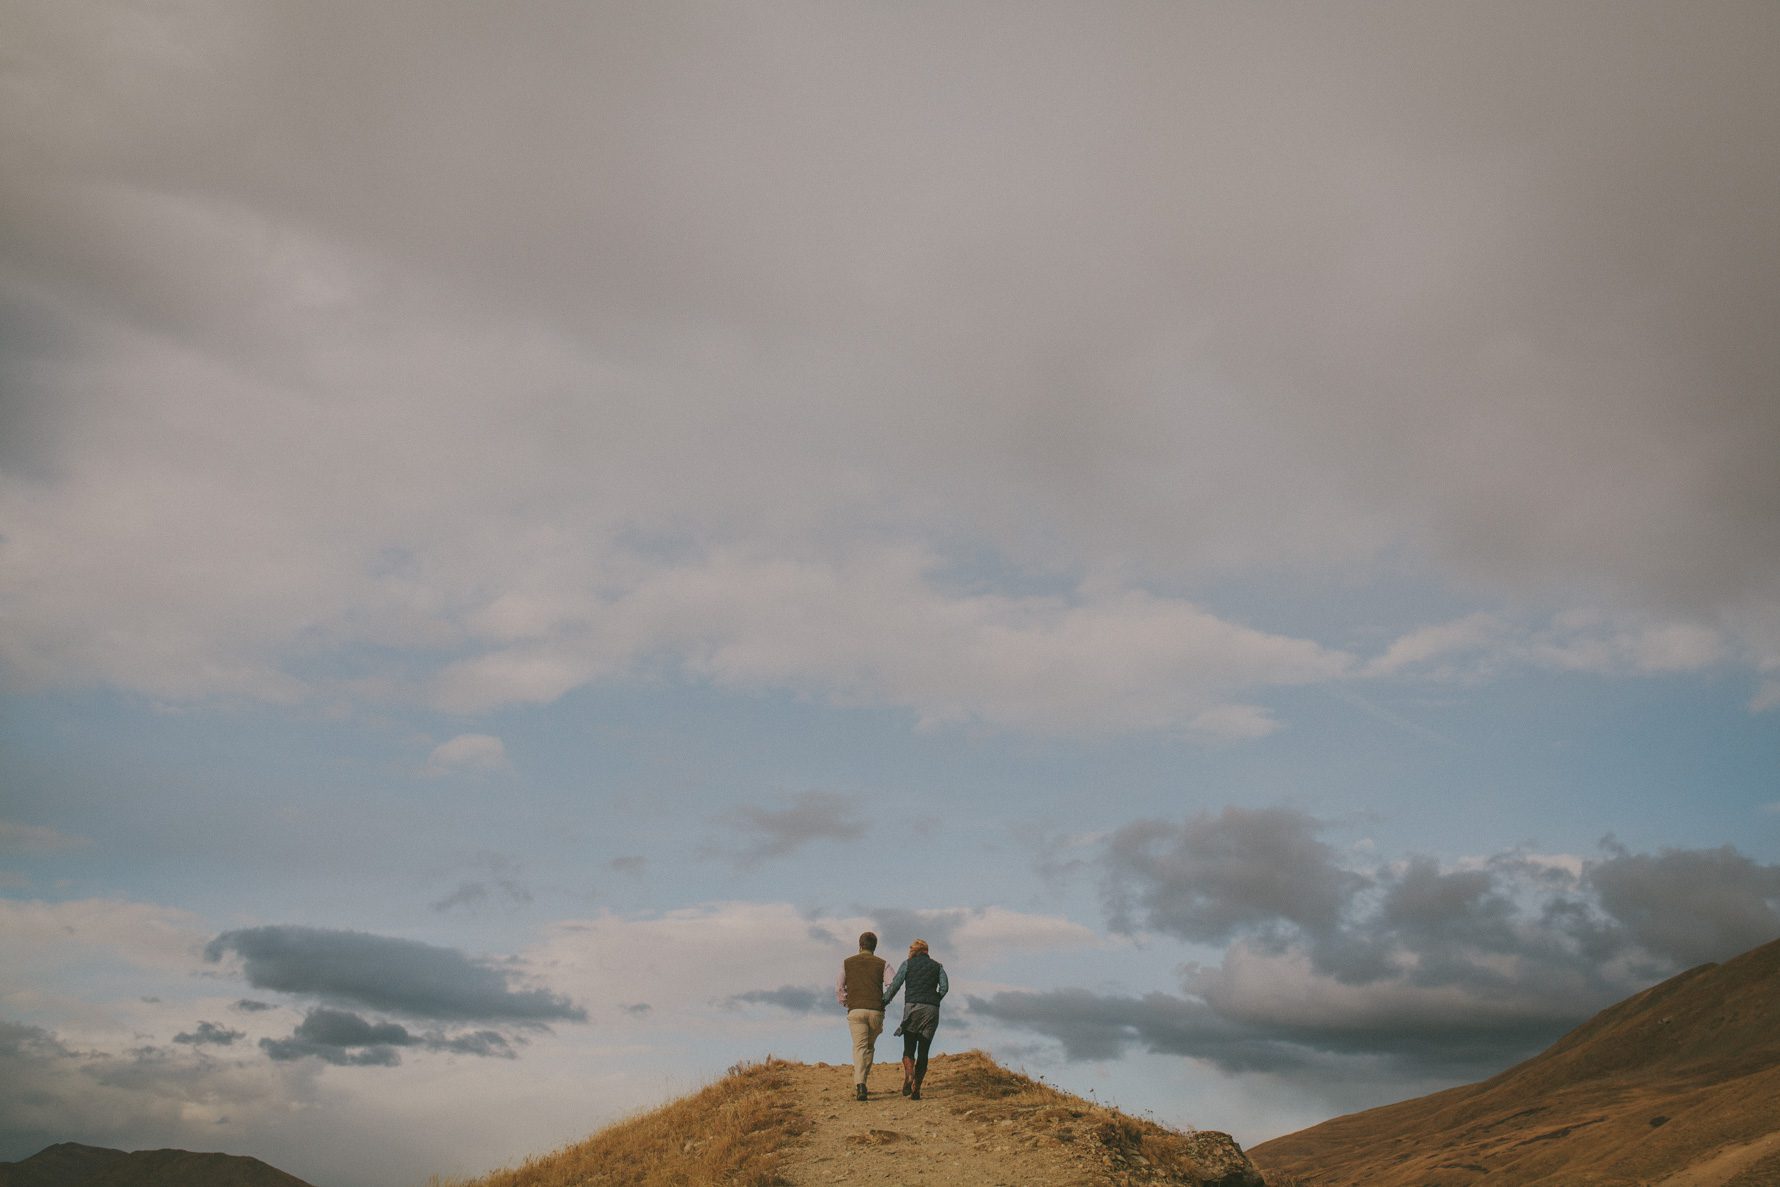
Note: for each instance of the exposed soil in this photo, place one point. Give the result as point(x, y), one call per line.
point(892, 1139)
point(979, 1124)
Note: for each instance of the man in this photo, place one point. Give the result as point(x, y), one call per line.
point(860, 990)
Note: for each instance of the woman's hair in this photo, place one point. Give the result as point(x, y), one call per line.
point(917, 946)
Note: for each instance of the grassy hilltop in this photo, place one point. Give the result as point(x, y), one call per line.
point(791, 1123)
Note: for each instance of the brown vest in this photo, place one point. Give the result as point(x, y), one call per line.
point(865, 981)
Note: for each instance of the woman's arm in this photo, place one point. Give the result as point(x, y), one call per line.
point(945, 986)
point(902, 970)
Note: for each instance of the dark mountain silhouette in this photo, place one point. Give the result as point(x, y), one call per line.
point(70, 1164)
point(1676, 1085)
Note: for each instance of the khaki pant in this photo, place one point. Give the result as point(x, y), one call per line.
point(866, 1026)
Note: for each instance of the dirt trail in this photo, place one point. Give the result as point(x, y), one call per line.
point(985, 1126)
point(936, 1140)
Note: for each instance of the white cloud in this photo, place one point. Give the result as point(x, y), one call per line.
point(687, 963)
point(875, 627)
point(564, 398)
point(468, 753)
point(17, 837)
point(1579, 640)
point(1234, 722)
point(38, 938)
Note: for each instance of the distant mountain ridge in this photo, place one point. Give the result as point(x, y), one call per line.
point(70, 1164)
point(1675, 1085)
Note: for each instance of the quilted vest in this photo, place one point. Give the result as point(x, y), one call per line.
point(865, 981)
point(921, 984)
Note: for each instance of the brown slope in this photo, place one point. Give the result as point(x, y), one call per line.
point(69, 1164)
point(1674, 1085)
point(782, 1123)
point(58, 1165)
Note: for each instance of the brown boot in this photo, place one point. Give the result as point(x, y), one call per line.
point(908, 1075)
point(916, 1093)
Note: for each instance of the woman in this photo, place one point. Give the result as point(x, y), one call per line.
point(927, 985)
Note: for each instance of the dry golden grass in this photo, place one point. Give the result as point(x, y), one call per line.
point(1675, 1084)
point(730, 1132)
point(1154, 1152)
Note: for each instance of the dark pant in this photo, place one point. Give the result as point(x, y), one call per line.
point(915, 1047)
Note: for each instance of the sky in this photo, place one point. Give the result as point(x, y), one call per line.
point(1253, 529)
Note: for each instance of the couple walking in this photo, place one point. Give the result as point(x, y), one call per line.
point(865, 988)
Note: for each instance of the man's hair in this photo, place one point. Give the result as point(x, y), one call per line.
point(868, 940)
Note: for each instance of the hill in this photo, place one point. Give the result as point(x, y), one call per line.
point(70, 1164)
point(1675, 1086)
point(793, 1123)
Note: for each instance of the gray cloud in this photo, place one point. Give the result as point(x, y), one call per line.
point(348, 1040)
point(1450, 1043)
point(135, 1099)
point(476, 892)
point(209, 1033)
point(1689, 905)
point(18, 838)
point(250, 1006)
point(385, 973)
point(1412, 966)
point(1213, 876)
point(1202, 290)
point(897, 926)
point(796, 998)
point(809, 816)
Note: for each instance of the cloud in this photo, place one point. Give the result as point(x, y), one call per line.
point(210, 1034)
point(665, 958)
point(778, 832)
point(1689, 905)
point(51, 1087)
point(249, 1006)
point(348, 1040)
point(1212, 876)
point(1292, 1020)
point(79, 935)
point(475, 892)
point(1579, 640)
point(812, 390)
point(17, 839)
point(468, 754)
point(984, 933)
point(1424, 968)
point(386, 973)
point(799, 999)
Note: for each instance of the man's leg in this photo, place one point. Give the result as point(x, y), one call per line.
point(865, 1025)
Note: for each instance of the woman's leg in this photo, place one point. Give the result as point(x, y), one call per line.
point(908, 1063)
point(923, 1044)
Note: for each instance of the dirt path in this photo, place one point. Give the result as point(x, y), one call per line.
point(890, 1139)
